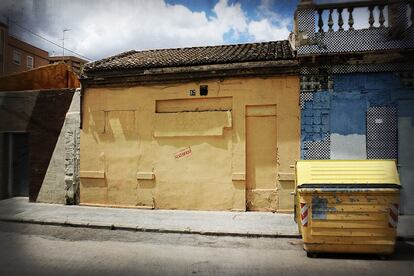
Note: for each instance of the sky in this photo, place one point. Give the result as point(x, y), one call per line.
point(101, 28)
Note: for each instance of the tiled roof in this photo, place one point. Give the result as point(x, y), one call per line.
point(178, 57)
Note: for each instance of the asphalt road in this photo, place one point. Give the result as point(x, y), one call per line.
point(27, 249)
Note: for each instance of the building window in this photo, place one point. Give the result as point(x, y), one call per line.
point(17, 57)
point(30, 62)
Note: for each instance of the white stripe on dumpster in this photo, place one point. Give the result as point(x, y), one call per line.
point(393, 216)
point(304, 214)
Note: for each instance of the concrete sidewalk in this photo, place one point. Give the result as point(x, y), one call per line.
point(254, 224)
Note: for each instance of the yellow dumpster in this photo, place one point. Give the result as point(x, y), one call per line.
point(347, 206)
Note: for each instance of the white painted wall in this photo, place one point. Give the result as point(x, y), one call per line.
point(348, 146)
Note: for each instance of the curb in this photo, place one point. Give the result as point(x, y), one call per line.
point(78, 224)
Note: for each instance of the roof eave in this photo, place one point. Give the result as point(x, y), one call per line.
point(186, 73)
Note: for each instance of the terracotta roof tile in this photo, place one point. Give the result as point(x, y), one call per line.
point(179, 57)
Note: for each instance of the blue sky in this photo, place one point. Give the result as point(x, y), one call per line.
point(250, 7)
point(100, 28)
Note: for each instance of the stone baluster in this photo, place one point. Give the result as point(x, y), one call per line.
point(381, 16)
point(320, 21)
point(351, 19)
point(371, 20)
point(330, 21)
point(340, 20)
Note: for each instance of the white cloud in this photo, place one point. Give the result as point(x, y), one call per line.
point(263, 30)
point(272, 26)
point(229, 17)
point(103, 28)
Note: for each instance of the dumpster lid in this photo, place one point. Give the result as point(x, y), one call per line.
point(347, 172)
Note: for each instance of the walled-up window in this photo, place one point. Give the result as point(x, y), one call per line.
point(17, 57)
point(30, 62)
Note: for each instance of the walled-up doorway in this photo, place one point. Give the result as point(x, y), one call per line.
point(261, 158)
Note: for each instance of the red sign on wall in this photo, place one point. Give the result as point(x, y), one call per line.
point(183, 153)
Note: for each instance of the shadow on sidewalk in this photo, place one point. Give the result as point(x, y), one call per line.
point(404, 251)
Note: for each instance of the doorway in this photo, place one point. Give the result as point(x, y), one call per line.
point(14, 168)
point(261, 158)
point(406, 155)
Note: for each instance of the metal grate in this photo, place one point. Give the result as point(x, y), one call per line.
point(318, 149)
point(382, 137)
point(305, 97)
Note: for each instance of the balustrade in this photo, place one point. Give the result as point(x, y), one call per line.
point(376, 16)
point(353, 26)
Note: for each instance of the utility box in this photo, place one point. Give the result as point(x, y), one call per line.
point(347, 206)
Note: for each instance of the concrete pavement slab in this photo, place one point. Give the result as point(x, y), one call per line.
point(171, 221)
point(259, 224)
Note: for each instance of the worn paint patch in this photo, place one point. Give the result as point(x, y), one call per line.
point(348, 146)
point(320, 207)
point(343, 121)
point(188, 124)
point(355, 199)
point(337, 200)
point(262, 200)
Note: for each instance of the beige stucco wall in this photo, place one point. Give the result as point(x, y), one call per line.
point(156, 146)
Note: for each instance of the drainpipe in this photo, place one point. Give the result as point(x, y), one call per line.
point(10, 161)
